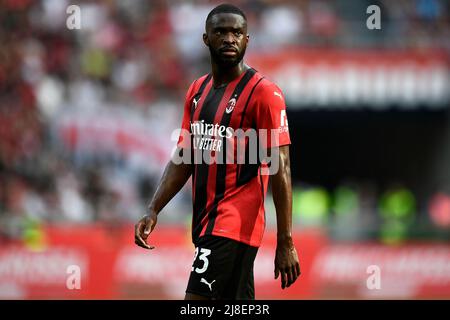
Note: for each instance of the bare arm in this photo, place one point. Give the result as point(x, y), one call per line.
point(173, 179)
point(286, 258)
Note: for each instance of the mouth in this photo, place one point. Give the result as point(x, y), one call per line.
point(229, 51)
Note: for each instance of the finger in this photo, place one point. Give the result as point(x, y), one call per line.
point(141, 229)
point(289, 277)
point(141, 242)
point(294, 274)
point(297, 266)
point(148, 227)
point(145, 245)
point(283, 279)
point(277, 273)
point(138, 229)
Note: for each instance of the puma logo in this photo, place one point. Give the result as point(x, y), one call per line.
point(277, 94)
point(202, 280)
point(195, 102)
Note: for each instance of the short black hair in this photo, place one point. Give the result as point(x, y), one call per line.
point(225, 8)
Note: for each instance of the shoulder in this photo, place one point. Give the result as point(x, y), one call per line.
point(195, 86)
point(198, 82)
point(268, 90)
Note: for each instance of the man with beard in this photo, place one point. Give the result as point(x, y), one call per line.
point(228, 198)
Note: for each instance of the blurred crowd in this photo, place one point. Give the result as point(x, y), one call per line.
point(135, 59)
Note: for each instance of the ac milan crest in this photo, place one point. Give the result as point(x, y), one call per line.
point(230, 105)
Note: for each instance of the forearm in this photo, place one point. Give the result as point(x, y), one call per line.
point(173, 179)
point(282, 197)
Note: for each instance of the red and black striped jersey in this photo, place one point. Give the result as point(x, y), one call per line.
point(228, 196)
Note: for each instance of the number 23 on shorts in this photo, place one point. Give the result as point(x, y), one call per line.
point(204, 253)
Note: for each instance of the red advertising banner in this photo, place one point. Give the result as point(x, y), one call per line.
point(340, 78)
point(110, 266)
point(411, 271)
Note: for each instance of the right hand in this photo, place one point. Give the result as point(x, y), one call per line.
point(143, 228)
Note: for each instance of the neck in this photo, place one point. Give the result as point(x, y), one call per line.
point(225, 75)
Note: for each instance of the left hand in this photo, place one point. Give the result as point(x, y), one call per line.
point(286, 263)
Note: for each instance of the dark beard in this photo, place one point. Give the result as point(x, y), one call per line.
point(226, 63)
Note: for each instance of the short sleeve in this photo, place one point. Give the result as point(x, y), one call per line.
point(270, 116)
point(184, 140)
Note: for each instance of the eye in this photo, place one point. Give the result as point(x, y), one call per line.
point(238, 33)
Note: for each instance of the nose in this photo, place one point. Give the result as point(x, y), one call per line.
point(229, 38)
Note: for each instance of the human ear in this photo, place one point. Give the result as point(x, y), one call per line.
point(205, 39)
